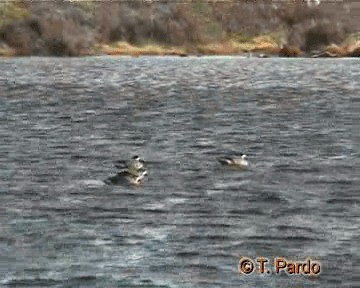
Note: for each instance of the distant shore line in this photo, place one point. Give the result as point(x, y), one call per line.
point(173, 28)
point(229, 48)
point(260, 48)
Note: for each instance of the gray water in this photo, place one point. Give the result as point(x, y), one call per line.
point(63, 123)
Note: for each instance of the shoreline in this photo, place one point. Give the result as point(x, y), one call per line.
point(79, 29)
point(212, 49)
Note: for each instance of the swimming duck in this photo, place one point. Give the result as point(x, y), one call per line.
point(134, 173)
point(125, 177)
point(135, 163)
point(234, 161)
point(137, 172)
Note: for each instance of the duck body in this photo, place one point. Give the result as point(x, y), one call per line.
point(125, 177)
point(135, 163)
point(234, 161)
point(133, 172)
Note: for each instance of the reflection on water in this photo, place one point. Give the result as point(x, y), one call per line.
point(63, 123)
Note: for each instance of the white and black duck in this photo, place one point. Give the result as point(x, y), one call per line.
point(133, 172)
point(231, 161)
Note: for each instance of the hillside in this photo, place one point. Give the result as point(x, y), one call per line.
point(77, 28)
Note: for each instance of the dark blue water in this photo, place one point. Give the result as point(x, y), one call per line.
point(63, 123)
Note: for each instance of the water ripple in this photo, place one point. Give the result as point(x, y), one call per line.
point(63, 124)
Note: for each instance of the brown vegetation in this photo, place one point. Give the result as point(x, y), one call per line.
point(288, 51)
point(156, 27)
point(50, 31)
point(139, 22)
point(124, 48)
point(355, 52)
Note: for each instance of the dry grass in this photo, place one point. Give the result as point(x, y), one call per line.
point(125, 48)
point(224, 48)
point(6, 53)
point(349, 47)
point(290, 51)
point(355, 52)
point(352, 45)
point(265, 44)
point(336, 50)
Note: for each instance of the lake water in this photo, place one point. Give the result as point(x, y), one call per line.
point(63, 123)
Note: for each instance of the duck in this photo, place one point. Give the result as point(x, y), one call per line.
point(142, 172)
point(234, 161)
point(133, 173)
point(135, 163)
point(125, 177)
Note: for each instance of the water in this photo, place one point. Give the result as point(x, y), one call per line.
point(63, 123)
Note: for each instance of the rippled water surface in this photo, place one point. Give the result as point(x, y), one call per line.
point(63, 123)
